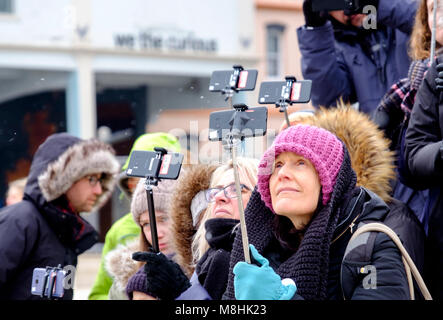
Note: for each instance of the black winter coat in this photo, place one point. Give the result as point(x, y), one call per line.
point(344, 278)
point(424, 155)
point(36, 233)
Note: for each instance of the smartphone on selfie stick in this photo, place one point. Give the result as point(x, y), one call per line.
point(154, 166)
point(284, 93)
point(233, 126)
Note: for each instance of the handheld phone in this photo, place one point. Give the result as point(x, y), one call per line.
point(48, 282)
point(144, 164)
point(272, 92)
point(254, 122)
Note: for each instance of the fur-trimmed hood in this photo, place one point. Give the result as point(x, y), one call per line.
point(119, 264)
point(369, 150)
point(63, 159)
point(195, 179)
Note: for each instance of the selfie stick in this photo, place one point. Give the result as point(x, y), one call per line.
point(153, 181)
point(434, 27)
point(232, 140)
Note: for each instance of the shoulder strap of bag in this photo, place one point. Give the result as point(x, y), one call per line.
point(407, 261)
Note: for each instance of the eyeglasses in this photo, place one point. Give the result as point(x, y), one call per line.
point(229, 191)
point(93, 180)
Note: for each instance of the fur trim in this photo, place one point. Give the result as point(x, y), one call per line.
point(81, 159)
point(371, 158)
point(119, 264)
point(196, 178)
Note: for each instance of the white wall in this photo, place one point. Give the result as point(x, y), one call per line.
point(96, 23)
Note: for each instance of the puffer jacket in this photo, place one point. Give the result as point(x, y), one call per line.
point(339, 66)
point(41, 231)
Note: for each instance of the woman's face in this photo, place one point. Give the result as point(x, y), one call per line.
point(439, 26)
point(295, 188)
point(226, 207)
point(163, 230)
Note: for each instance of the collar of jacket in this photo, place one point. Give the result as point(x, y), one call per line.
point(71, 229)
point(362, 205)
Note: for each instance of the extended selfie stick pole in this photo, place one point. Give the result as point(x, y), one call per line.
point(434, 27)
point(153, 181)
point(232, 141)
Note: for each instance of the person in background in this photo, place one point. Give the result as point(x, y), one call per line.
point(15, 191)
point(125, 228)
point(345, 60)
point(68, 176)
point(424, 157)
point(118, 262)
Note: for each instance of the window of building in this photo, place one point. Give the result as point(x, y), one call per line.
point(274, 35)
point(6, 6)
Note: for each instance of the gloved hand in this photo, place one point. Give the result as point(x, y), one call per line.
point(439, 79)
point(312, 19)
point(253, 282)
point(165, 278)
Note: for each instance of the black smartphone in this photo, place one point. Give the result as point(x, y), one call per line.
point(273, 91)
point(240, 80)
point(44, 279)
point(330, 5)
point(144, 163)
point(255, 123)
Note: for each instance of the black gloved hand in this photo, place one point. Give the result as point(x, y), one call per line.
point(439, 79)
point(313, 19)
point(165, 278)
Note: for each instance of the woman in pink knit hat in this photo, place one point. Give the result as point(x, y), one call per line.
point(300, 218)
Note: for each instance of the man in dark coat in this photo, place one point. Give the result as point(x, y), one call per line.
point(345, 60)
point(424, 156)
point(68, 175)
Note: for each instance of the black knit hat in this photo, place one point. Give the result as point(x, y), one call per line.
point(309, 266)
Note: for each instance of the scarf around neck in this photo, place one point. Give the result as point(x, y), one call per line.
point(309, 265)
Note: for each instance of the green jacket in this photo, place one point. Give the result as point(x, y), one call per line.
point(121, 231)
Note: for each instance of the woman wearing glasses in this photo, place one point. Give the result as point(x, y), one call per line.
point(216, 227)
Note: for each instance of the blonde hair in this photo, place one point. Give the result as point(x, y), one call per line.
point(247, 171)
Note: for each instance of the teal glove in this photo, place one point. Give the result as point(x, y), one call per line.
point(252, 282)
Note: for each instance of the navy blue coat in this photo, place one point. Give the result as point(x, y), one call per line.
point(339, 67)
point(36, 233)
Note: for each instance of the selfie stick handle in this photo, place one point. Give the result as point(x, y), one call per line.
point(152, 220)
point(244, 232)
point(433, 35)
point(153, 181)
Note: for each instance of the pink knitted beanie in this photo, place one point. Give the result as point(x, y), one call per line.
point(319, 146)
